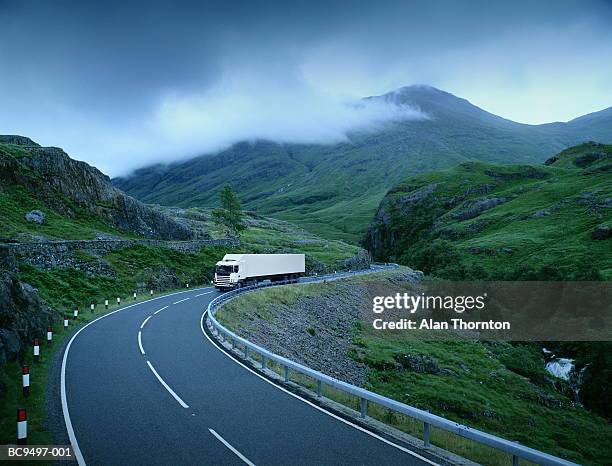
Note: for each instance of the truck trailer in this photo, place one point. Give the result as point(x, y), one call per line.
point(238, 270)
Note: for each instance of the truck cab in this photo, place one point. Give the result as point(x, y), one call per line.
point(227, 273)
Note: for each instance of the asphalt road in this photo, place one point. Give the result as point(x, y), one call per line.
point(184, 401)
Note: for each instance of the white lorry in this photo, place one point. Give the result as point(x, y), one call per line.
point(238, 270)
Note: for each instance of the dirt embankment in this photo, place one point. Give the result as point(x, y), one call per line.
point(311, 324)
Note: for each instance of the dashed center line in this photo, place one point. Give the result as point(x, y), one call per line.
point(202, 294)
point(159, 310)
point(140, 343)
point(145, 321)
point(232, 449)
point(167, 387)
point(180, 301)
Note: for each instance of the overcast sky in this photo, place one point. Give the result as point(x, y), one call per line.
point(122, 85)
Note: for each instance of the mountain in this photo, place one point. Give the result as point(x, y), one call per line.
point(508, 222)
point(46, 194)
point(334, 190)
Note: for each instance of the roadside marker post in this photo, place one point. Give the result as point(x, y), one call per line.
point(49, 334)
point(22, 427)
point(65, 322)
point(25, 380)
point(76, 313)
point(187, 285)
point(151, 292)
point(134, 296)
point(92, 306)
point(118, 301)
point(36, 350)
point(106, 303)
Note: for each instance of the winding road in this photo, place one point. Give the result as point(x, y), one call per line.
point(145, 385)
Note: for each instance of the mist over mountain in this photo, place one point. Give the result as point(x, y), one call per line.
point(334, 189)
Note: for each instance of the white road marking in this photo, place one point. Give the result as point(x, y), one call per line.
point(145, 321)
point(140, 343)
point(202, 294)
point(180, 301)
point(341, 419)
point(233, 450)
point(63, 394)
point(167, 387)
point(159, 310)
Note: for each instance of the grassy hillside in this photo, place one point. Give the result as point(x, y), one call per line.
point(334, 190)
point(497, 387)
point(65, 219)
point(269, 235)
point(481, 220)
point(75, 200)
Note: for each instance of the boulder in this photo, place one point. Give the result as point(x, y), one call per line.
point(476, 207)
point(602, 232)
point(418, 363)
point(36, 216)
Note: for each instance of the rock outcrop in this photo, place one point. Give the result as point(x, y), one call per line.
point(62, 183)
point(23, 315)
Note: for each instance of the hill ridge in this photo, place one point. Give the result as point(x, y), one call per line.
point(333, 190)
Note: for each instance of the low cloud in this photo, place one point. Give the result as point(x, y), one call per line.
point(214, 121)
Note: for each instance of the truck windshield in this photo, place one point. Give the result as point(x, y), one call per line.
point(226, 269)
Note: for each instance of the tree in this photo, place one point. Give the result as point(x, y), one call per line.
point(229, 215)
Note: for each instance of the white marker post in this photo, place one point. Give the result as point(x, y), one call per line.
point(36, 350)
point(106, 303)
point(151, 292)
point(65, 322)
point(49, 334)
point(118, 301)
point(134, 296)
point(76, 313)
point(187, 285)
point(25, 380)
point(22, 427)
point(92, 306)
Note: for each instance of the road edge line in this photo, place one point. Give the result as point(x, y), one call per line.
point(310, 403)
point(63, 395)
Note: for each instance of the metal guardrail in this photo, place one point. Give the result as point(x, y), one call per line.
point(515, 449)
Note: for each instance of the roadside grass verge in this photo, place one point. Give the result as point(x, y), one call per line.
point(133, 269)
point(460, 446)
point(498, 387)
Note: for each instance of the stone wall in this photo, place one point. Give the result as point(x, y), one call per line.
point(52, 254)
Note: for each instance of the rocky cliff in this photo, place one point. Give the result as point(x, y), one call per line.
point(61, 183)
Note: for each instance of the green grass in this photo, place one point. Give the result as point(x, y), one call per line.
point(499, 388)
point(63, 288)
point(510, 240)
point(15, 202)
point(268, 235)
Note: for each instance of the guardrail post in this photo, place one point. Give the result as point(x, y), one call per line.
point(364, 405)
point(319, 389)
point(263, 361)
point(233, 343)
point(426, 435)
point(515, 460)
point(246, 352)
point(286, 374)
